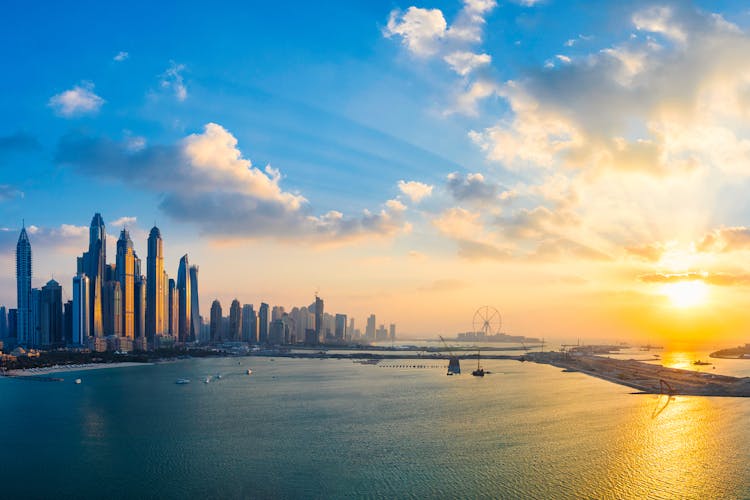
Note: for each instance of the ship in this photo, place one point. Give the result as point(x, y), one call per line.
point(182, 381)
point(479, 372)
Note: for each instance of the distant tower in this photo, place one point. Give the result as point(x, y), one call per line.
point(195, 314)
point(235, 321)
point(318, 316)
point(249, 324)
point(173, 310)
point(216, 317)
point(263, 323)
point(50, 314)
point(340, 327)
point(393, 331)
point(81, 310)
point(154, 285)
point(183, 289)
point(125, 274)
point(23, 287)
point(93, 263)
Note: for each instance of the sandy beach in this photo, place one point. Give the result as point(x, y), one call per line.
point(70, 368)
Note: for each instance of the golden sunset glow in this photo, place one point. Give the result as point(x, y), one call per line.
point(684, 294)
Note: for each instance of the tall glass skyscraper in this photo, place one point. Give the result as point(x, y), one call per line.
point(184, 320)
point(154, 285)
point(23, 287)
point(195, 319)
point(263, 323)
point(125, 274)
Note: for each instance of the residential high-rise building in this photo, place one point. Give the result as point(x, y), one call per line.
point(154, 285)
point(340, 328)
point(277, 312)
point(351, 329)
point(235, 322)
point(370, 329)
point(50, 315)
point(276, 333)
point(139, 305)
point(263, 323)
point(216, 316)
point(81, 310)
point(174, 308)
point(125, 274)
point(318, 317)
point(92, 264)
point(392, 331)
point(13, 325)
point(185, 318)
point(35, 318)
point(23, 288)
point(249, 324)
point(195, 312)
point(3, 323)
point(112, 308)
point(67, 331)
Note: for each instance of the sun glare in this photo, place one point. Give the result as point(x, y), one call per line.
point(686, 293)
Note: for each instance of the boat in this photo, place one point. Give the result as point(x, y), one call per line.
point(698, 362)
point(77, 381)
point(208, 379)
point(479, 372)
point(182, 381)
point(249, 371)
point(218, 375)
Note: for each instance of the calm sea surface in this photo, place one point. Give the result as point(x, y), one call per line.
point(336, 429)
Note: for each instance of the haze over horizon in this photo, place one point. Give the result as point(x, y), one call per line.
point(582, 167)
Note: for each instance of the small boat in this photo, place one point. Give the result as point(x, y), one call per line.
point(479, 372)
point(701, 363)
point(208, 379)
point(182, 381)
point(249, 371)
point(77, 381)
point(218, 375)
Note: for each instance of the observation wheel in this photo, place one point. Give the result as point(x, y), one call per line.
point(487, 320)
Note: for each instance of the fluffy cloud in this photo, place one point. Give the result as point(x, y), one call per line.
point(80, 100)
point(460, 224)
point(124, 222)
point(471, 187)
point(416, 191)
point(719, 279)
point(726, 239)
point(121, 56)
point(173, 81)
point(464, 62)
point(205, 180)
point(420, 30)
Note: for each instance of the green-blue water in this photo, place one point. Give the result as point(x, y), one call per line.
point(336, 429)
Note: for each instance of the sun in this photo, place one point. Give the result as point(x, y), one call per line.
point(685, 294)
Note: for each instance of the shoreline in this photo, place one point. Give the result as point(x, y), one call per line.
point(48, 370)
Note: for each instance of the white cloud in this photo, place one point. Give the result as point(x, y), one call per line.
point(563, 58)
point(464, 62)
point(121, 56)
point(173, 80)
point(79, 100)
point(124, 221)
point(467, 102)
point(659, 20)
point(415, 190)
point(459, 223)
point(420, 29)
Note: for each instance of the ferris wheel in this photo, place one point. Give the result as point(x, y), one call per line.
point(487, 320)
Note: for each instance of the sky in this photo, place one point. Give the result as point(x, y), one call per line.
point(581, 166)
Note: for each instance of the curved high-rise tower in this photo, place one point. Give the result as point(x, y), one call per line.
point(23, 287)
point(94, 261)
point(155, 285)
point(184, 288)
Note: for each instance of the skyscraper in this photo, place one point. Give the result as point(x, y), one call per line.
point(81, 310)
point(67, 331)
point(112, 308)
point(3, 323)
point(23, 287)
point(216, 321)
point(139, 305)
point(263, 323)
point(92, 265)
point(154, 285)
point(195, 314)
point(249, 324)
point(50, 314)
point(318, 317)
point(392, 331)
point(235, 322)
point(173, 309)
point(370, 329)
point(340, 328)
point(183, 289)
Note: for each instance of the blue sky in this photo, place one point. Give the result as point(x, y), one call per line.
point(537, 106)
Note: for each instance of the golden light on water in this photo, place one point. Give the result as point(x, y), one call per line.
point(684, 294)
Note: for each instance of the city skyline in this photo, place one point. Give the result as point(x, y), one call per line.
point(113, 306)
point(586, 178)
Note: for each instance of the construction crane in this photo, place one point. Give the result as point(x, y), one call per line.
point(454, 368)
